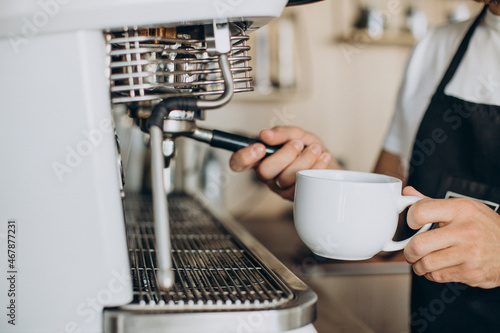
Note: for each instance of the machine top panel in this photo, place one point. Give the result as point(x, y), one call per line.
point(28, 18)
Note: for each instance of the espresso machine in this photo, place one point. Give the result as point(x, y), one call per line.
point(78, 253)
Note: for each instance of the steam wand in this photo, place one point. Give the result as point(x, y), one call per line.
point(159, 125)
point(155, 126)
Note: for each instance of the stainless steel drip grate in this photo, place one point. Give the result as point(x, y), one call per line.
point(212, 270)
point(152, 64)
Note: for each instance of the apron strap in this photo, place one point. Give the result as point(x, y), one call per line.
point(460, 53)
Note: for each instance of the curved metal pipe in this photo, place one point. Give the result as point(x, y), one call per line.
point(227, 75)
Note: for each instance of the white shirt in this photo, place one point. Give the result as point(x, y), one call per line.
point(476, 80)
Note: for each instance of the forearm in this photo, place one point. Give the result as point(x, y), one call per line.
point(391, 165)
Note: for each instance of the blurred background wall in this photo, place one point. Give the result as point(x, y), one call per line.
point(329, 78)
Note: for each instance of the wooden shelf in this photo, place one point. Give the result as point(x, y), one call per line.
point(388, 38)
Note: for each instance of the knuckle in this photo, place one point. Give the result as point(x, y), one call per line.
point(276, 164)
point(319, 164)
point(472, 233)
point(417, 245)
point(284, 130)
point(286, 179)
point(407, 254)
point(264, 172)
point(475, 252)
point(418, 270)
point(475, 276)
point(465, 205)
point(296, 146)
point(294, 128)
point(427, 264)
point(436, 276)
point(417, 212)
point(323, 161)
point(244, 163)
point(291, 131)
point(309, 157)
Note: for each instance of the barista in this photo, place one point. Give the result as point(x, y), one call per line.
point(444, 141)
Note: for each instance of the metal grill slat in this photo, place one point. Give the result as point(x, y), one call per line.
point(211, 268)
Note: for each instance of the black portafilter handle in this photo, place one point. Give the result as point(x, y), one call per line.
point(235, 142)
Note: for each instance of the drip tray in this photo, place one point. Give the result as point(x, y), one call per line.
point(224, 278)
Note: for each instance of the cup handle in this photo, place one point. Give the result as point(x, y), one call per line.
point(405, 201)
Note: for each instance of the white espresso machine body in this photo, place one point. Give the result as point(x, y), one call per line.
point(63, 251)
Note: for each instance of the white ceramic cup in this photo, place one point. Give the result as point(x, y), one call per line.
point(349, 215)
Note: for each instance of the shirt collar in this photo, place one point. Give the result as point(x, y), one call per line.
point(492, 20)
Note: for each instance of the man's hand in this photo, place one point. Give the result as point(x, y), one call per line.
point(466, 246)
point(301, 150)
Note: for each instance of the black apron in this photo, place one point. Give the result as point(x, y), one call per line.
point(456, 153)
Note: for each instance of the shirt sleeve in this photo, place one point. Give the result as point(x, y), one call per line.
point(394, 138)
point(423, 72)
point(397, 135)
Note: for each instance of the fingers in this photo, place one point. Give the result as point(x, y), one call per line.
point(464, 249)
point(442, 211)
point(459, 271)
point(428, 242)
point(446, 275)
point(430, 211)
point(324, 161)
point(410, 190)
point(246, 158)
point(437, 261)
point(272, 166)
point(436, 254)
point(434, 211)
point(285, 193)
point(282, 166)
point(250, 156)
point(463, 273)
point(301, 150)
point(280, 135)
point(459, 250)
point(307, 159)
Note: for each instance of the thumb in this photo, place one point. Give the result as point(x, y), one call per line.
point(271, 137)
point(410, 190)
point(411, 219)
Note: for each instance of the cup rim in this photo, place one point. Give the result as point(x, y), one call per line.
point(362, 177)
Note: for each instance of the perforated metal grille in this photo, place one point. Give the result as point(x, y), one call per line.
point(146, 65)
point(211, 268)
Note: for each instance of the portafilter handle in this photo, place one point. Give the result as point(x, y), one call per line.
point(229, 141)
